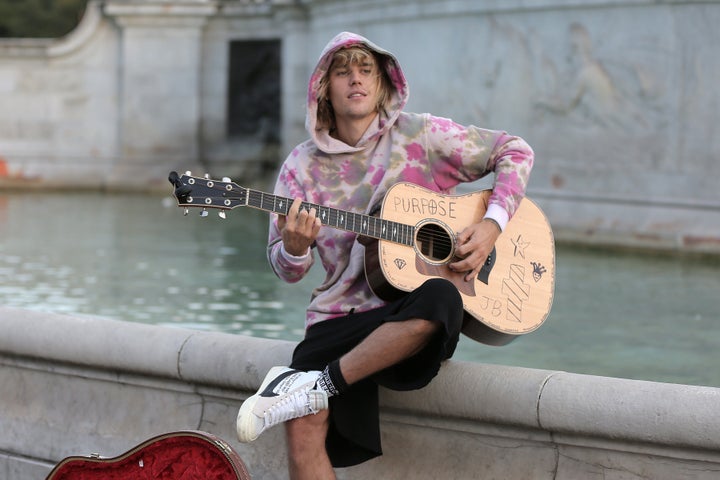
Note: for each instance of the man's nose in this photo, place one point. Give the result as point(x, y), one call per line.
point(354, 78)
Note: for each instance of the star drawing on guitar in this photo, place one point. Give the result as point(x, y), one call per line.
point(520, 246)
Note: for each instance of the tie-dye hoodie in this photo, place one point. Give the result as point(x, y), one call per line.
point(429, 151)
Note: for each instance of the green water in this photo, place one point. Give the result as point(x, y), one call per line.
point(137, 258)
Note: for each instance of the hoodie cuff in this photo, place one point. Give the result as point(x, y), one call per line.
point(296, 260)
point(498, 214)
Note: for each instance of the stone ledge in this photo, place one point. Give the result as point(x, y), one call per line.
point(74, 385)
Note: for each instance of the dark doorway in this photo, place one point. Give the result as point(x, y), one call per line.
point(254, 90)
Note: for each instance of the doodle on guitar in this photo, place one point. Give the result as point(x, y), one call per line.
point(414, 238)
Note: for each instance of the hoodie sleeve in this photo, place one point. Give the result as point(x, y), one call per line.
point(286, 266)
point(464, 154)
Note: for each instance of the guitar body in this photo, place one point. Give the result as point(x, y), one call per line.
point(513, 294)
point(182, 455)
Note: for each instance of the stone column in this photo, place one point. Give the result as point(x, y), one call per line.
point(159, 92)
point(296, 69)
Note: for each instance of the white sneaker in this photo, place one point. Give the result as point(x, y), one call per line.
point(284, 394)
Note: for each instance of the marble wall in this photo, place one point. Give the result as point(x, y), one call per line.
point(616, 97)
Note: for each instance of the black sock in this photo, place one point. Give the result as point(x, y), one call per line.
point(331, 379)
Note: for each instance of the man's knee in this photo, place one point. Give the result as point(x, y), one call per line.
point(445, 296)
point(443, 289)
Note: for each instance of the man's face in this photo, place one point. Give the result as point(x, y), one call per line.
point(353, 90)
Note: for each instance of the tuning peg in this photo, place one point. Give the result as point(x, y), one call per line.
point(186, 211)
point(207, 175)
point(226, 179)
point(188, 173)
point(204, 212)
point(222, 214)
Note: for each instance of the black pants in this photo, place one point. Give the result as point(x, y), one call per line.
point(354, 432)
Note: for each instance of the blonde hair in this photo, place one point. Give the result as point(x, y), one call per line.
point(355, 55)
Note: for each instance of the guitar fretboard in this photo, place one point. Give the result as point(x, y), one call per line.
point(353, 222)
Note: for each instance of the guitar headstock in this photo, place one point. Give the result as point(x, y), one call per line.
point(205, 192)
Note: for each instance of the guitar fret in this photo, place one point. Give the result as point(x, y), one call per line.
point(253, 199)
point(283, 206)
point(269, 202)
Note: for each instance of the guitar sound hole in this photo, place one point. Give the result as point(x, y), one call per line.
point(434, 243)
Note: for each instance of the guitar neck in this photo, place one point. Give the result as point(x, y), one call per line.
point(359, 223)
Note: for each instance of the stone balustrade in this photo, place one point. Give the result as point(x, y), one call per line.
point(75, 385)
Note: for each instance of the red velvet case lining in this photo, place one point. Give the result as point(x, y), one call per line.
point(171, 457)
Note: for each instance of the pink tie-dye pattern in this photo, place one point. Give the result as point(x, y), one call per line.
point(415, 151)
point(416, 175)
point(443, 124)
point(376, 179)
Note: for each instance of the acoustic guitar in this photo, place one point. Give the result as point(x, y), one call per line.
point(416, 238)
point(181, 455)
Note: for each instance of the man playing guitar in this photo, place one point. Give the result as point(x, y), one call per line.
point(361, 143)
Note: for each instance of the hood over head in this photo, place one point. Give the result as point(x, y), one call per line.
point(387, 118)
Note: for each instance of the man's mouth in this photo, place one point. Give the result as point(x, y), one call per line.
point(356, 94)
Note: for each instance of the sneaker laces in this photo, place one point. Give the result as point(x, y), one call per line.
point(294, 405)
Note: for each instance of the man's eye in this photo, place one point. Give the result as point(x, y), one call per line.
point(341, 73)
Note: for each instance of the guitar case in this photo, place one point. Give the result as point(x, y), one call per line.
point(181, 455)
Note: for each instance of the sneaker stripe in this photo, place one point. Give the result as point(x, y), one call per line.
point(269, 390)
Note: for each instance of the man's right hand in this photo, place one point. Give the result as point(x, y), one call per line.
point(299, 228)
